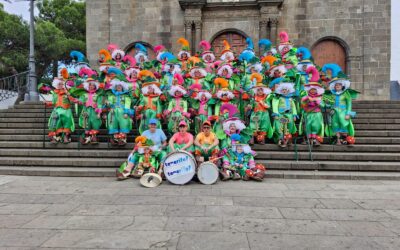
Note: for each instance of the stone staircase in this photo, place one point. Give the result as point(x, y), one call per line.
point(24, 147)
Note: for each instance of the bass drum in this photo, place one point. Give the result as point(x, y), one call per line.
point(208, 173)
point(179, 167)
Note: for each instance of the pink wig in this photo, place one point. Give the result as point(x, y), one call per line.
point(130, 59)
point(111, 47)
point(205, 45)
point(158, 48)
point(87, 72)
point(284, 37)
point(314, 72)
point(179, 78)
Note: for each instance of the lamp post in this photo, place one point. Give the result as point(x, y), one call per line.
point(32, 95)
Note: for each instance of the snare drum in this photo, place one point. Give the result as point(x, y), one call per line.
point(208, 173)
point(179, 167)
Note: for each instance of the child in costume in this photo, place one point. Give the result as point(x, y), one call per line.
point(284, 112)
point(119, 122)
point(117, 56)
point(237, 160)
point(146, 160)
point(287, 52)
point(227, 55)
point(177, 108)
point(141, 55)
point(339, 98)
point(260, 105)
point(312, 121)
point(181, 140)
point(61, 122)
point(149, 105)
point(171, 66)
point(198, 75)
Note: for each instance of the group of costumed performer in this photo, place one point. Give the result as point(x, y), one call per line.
point(276, 97)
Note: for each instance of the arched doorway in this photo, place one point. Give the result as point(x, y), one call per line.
point(236, 39)
point(330, 50)
point(130, 49)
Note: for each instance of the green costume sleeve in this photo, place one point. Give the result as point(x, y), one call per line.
point(348, 103)
point(159, 110)
point(185, 106)
point(294, 107)
point(171, 105)
point(275, 104)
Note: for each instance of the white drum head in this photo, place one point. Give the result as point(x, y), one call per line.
point(208, 173)
point(179, 167)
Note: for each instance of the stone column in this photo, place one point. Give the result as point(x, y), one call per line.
point(274, 29)
point(188, 30)
point(198, 29)
point(263, 29)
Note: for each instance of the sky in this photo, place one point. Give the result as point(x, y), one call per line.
point(22, 8)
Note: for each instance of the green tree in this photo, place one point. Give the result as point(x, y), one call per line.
point(14, 46)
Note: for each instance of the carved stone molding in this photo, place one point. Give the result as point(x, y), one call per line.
point(354, 58)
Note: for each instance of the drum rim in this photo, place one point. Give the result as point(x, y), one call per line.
point(207, 164)
point(184, 152)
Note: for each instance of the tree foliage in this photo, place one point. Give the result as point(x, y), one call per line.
point(60, 27)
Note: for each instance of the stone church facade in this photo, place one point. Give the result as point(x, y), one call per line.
point(353, 33)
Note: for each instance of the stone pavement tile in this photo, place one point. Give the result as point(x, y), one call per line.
point(22, 208)
point(154, 210)
point(213, 241)
point(214, 200)
point(35, 198)
point(161, 191)
point(358, 195)
point(300, 194)
point(6, 179)
point(148, 223)
point(281, 226)
point(392, 243)
point(340, 203)
point(39, 190)
point(379, 204)
point(15, 221)
point(365, 228)
point(393, 225)
point(277, 202)
point(267, 184)
point(298, 213)
point(96, 191)
point(378, 187)
point(46, 222)
point(308, 186)
point(352, 214)
point(112, 239)
point(205, 191)
point(394, 213)
point(251, 193)
point(308, 242)
point(24, 237)
point(97, 222)
point(243, 211)
point(194, 224)
point(92, 199)
point(155, 200)
point(59, 209)
point(185, 210)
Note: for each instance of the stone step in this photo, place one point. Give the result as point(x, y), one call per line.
point(39, 131)
point(261, 155)
point(375, 101)
point(107, 172)
point(376, 105)
point(328, 156)
point(266, 147)
point(104, 138)
point(271, 164)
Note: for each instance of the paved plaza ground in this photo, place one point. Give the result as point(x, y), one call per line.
point(65, 213)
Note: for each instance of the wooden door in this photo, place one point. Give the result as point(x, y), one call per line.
point(236, 40)
point(329, 51)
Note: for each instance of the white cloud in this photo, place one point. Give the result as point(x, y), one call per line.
point(18, 8)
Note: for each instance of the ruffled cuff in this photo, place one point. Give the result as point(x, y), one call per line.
point(274, 114)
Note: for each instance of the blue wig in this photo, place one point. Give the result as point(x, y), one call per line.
point(265, 44)
point(77, 56)
point(115, 71)
point(246, 56)
point(140, 47)
point(333, 67)
point(250, 45)
point(305, 52)
point(167, 55)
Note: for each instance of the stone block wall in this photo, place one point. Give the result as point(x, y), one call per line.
point(362, 25)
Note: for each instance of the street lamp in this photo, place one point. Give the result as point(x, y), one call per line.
point(33, 95)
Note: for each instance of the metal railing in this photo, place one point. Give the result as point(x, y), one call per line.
point(13, 86)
